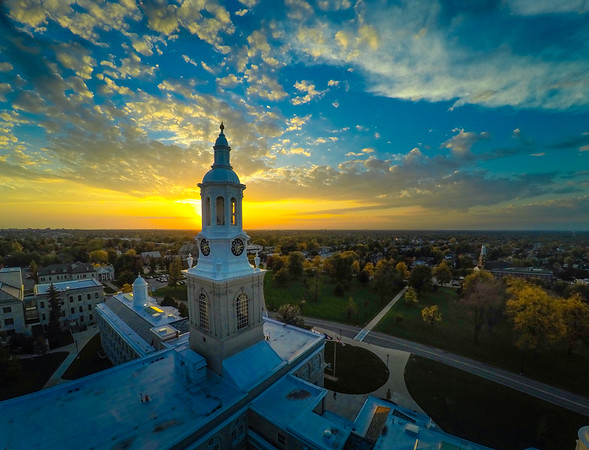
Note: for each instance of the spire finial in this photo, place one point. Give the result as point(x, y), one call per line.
point(222, 126)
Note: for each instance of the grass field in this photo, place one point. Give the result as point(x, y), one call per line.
point(488, 413)
point(88, 362)
point(329, 306)
point(35, 373)
point(454, 334)
point(179, 292)
point(358, 370)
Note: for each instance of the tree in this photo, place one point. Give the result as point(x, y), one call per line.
point(281, 276)
point(411, 296)
point(290, 314)
point(575, 314)
point(401, 267)
point(53, 326)
point(175, 273)
point(182, 309)
point(126, 288)
point(536, 317)
point(295, 264)
point(386, 279)
point(314, 286)
point(431, 315)
point(482, 298)
point(34, 270)
point(340, 266)
point(98, 256)
point(443, 272)
point(351, 309)
point(421, 278)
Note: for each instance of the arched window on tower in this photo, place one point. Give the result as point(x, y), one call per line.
point(241, 309)
point(203, 312)
point(233, 212)
point(220, 211)
point(207, 211)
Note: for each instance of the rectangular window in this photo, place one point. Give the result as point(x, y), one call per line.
point(88, 296)
point(6, 309)
point(91, 318)
point(79, 298)
point(72, 310)
point(96, 295)
point(43, 317)
point(81, 308)
point(71, 298)
point(42, 304)
point(90, 307)
point(9, 321)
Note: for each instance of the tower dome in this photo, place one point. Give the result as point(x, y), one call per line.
point(221, 170)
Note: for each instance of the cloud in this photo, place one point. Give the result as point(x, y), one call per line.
point(296, 123)
point(416, 50)
point(461, 143)
point(189, 61)
point(241, 12)
point(309, 89)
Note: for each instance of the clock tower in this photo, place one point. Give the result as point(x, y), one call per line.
point(225, 292)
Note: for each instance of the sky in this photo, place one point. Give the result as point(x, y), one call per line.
point(341, 114)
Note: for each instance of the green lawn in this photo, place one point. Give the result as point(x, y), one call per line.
point(329, 306)
point(179, 292)
point(486, 412)
point(358, 371)
point(89, 361)
point(34, 374)
point(454, 334)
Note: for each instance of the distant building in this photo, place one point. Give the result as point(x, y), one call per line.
point(12, 315)
point(521, 272)
point(133, 325)
point(78, 300)
point(65, 272)
point(147, 256)
point(105, 273)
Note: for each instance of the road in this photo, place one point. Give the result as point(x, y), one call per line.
point(565, 399)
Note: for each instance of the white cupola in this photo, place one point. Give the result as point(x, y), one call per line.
point(140, 294)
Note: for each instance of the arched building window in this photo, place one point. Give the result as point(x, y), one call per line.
point(203, 312)
point(233, 212)
point(207, 211)
point(241, 310)
point(220, 211)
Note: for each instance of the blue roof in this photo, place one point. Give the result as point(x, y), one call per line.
point(261, 361)
point(221, 175)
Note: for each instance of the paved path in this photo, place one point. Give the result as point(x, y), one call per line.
point(374, 322)
point(80, 340)
point(559, 397)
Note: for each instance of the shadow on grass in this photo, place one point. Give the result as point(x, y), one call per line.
point(35, 372)
point(89, 361)
point(358, 371)
point(486, 412)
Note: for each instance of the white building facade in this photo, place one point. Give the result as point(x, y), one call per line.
point(12, 316)
point(78, 300)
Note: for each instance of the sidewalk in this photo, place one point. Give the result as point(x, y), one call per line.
point(80, 339)
point(368, 328)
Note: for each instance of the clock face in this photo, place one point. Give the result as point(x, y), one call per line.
point(237, 246)
point(205, 248)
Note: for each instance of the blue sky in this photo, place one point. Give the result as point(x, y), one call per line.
point(341, 114)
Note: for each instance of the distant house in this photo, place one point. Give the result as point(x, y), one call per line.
point(523, 272)
point(12, 316)
point(146, 256)
point(66, 272)
point(105, 273)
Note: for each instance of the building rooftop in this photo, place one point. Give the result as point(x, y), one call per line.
point(105, 409)
point(41, 289)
